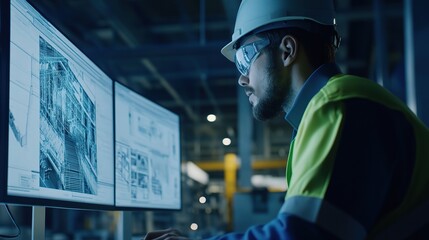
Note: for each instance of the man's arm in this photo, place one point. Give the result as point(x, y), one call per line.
point(284, 227)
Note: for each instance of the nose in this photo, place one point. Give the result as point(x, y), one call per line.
point(243, 81)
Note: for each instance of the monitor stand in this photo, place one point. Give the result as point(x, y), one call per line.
point(38, 223)
point(124, 229)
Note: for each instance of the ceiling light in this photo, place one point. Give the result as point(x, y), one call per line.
point(196, 173)
point(211, 117)
point(202, 199)
point(194, 226)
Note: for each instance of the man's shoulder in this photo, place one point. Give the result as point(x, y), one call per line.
point(343, 86)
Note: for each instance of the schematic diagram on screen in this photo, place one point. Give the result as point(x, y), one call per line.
point(144, 163)
point(68, 144)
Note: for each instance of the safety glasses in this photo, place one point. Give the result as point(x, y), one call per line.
point(246, 54)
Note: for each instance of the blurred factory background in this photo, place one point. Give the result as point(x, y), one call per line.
point(169, 51)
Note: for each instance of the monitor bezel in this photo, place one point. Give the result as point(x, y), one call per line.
point(5, 22)
point(135, 208)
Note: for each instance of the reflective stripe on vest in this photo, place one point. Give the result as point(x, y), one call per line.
point(325, 215)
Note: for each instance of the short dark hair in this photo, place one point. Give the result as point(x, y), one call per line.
point(319, 47)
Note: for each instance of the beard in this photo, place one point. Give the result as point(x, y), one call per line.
point(276, 97)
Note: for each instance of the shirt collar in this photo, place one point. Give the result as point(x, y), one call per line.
point(312, 85)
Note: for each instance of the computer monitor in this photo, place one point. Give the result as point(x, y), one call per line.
point(57, 136)
point(147, 143)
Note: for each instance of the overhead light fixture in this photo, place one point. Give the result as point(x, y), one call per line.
point(196, 173)
point(202, 199)
point(193, 226)
point(211, 117)
point(226, 141)
point(269, 182)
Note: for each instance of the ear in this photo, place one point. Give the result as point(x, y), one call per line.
point(289, 48)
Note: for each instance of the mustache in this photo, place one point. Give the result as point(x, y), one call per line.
point(248, 90)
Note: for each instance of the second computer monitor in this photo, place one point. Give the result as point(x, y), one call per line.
point(147, 152)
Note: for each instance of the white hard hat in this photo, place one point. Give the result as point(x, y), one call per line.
point(254, 14)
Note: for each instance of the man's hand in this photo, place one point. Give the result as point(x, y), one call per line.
point(167, 234)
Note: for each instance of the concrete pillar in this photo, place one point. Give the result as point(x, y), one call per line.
point(245, 141)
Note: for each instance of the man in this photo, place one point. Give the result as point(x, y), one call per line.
point(358, 159)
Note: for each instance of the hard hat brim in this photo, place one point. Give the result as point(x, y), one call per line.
point(228, 51)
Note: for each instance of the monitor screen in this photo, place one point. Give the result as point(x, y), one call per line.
point(60, 124)
point(147, 143)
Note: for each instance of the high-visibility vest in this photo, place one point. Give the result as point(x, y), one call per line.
point(312, 161)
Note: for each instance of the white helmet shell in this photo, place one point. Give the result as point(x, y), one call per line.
point(253, 14)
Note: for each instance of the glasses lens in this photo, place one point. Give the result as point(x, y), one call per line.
point(246, 54)
point(241, 63)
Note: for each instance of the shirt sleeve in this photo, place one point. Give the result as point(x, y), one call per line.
point(284, 227)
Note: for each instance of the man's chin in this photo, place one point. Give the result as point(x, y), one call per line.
point(260, 115)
